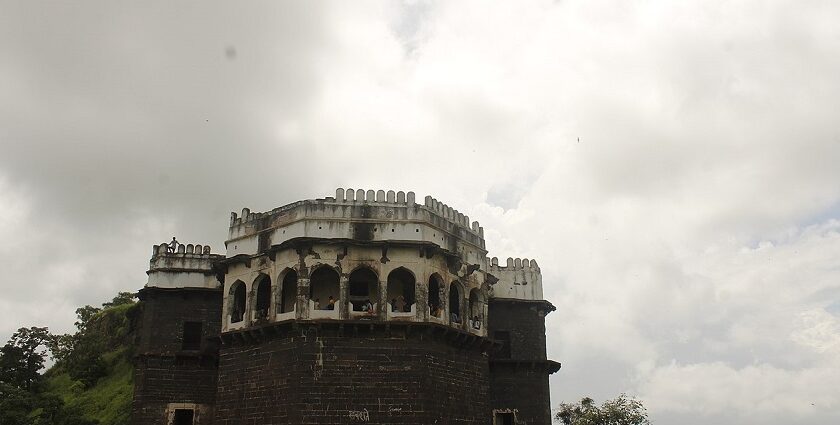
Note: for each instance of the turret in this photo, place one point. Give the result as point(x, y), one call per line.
point(187, 266)
point(176, 355)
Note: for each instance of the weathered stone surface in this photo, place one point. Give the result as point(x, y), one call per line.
point(327, 376)
point(164, 372)
point(519, 372)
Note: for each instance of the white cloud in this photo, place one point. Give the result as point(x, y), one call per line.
point(753, 394)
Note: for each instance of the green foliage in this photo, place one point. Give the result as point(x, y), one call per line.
point(91, 381)
point(621, 411)
point(22, 401)
point(53, 411)
point(23, 357)
point(15, 404)
point(109, 400)
point(122, 298)
point(99, 331)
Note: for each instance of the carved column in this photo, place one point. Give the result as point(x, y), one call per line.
point(343, 285)
point(303, 296)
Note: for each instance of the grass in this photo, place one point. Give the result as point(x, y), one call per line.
point(109, 400)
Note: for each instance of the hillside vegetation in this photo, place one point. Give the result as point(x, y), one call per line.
point(91, 381)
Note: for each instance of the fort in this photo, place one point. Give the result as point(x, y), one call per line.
point(365, 307)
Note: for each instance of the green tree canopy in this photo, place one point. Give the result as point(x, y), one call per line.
point(23, 357)
point(623, 410)
point(122, 298)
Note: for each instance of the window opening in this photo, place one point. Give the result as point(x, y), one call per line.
point(288, 292)
point(191, 338)
point(237, 310)
point(401, 294)
point(183, 417)
point(323, 288)
point(364, 286)
point(505, 418)
point(455, 302)
point(263, 297)
point(476, 310)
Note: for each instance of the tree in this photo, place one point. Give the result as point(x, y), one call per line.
point(23, 357)
point(623, 410)
point(85, 315)
point(121, 299)
point(15, 404)
point(80, 354)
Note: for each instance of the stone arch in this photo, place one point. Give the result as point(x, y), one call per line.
point(237, 301)
point(401, 290)
point(475, 311)
point(435, 290)
point(455, 297)
point(363, 287)
point(262, 296)
point(288, 290)
point(323, 286)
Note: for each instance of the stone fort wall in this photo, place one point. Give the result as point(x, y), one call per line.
point(355, 374)
point(166, 374)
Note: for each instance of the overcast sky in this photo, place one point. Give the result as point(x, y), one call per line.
point(673, 166)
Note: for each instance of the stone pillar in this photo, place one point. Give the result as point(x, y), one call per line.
point(225, 306)
point(249, 303)
point(343, 286)
point(302, 297)
point(421, 293)
point(382, 314)
point(276, 288)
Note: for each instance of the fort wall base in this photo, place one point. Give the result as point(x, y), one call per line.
point(366, 373)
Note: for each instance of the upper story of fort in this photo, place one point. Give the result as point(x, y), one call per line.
point(360, 254)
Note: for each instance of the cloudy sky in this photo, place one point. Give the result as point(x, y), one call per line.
point(674, 166)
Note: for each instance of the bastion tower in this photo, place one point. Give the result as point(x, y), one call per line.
point(363, 307)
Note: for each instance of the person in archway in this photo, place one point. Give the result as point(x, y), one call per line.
point(331, 303)
point(400, 304)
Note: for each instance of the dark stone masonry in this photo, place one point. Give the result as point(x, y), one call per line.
point(318, 375)
point(406, 321)
point(165, 372)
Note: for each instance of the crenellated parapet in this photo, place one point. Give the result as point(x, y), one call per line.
point(371, 196)
point(519, 278)
point(363, 215)
point(453, 216)
point(512, 264)
point(189, 266)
